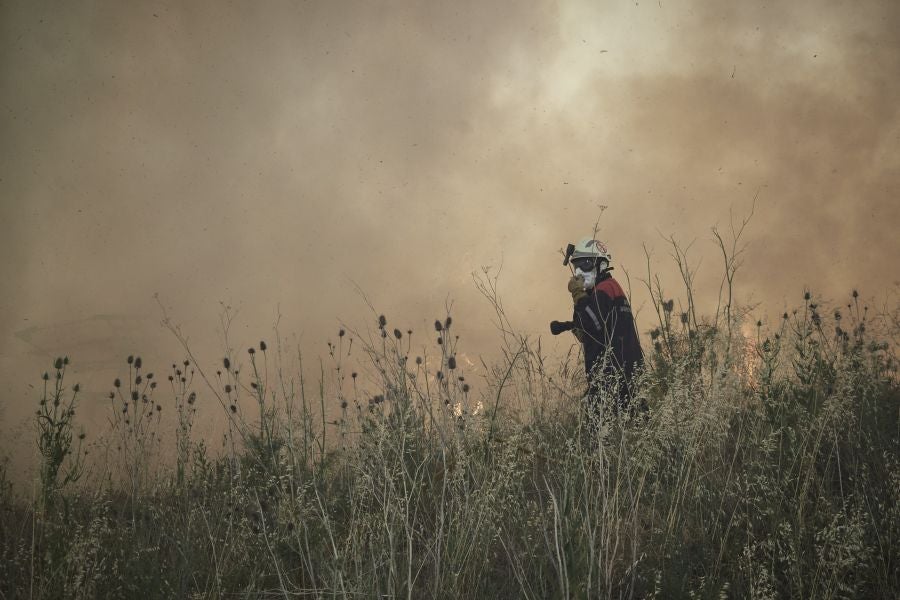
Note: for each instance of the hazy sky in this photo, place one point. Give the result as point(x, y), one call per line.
point(272, 155)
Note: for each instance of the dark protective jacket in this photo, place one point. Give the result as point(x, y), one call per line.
point(605, 326)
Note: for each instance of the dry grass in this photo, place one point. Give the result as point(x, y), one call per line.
point(767, 468)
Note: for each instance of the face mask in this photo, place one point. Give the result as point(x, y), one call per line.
point(590, 277)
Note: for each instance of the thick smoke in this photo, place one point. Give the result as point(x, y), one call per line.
point(277, 157)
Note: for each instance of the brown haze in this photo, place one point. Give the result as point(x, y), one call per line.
point(274, 155)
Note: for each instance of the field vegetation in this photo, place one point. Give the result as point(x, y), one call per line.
point(766, 466)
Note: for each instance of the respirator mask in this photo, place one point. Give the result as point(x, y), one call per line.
point(590, 277)
point(589, 268)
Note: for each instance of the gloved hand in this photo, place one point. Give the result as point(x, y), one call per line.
point(576, 288)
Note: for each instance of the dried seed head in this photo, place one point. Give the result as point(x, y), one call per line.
point(226, 363)
point(46, 377)
point(806, 295)
point(438, 326)
point(447, 322)
point(784, 316)
point(227, 388)
point(465, 388)
point(138, 380)
point(440, 341)
point(58, 364)
point(382, 321)
point(117, 382)
point(65, 360)
point(855, 294)
point(76, 388)
point(253, 385)
point(112, 395)
point(135, 395)
point(262, 346)
point(153, 386)
point(397, 334)
point(251, 351)
point(353, 374)
point(341, 333)
point(343, 404)
point(684, 318)
point(233, 408)
point(439, 375)
point(758, 324)
point(171, 378)
point(137, 362)
point(81, 436)
point(130, 359)
point(192, 398)
point(668, 305)
point(451, 363)
point(418, 360)
point(654, 333)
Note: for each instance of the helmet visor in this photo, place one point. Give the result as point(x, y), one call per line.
point(585, 263)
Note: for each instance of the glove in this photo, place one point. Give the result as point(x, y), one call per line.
point(576, 288)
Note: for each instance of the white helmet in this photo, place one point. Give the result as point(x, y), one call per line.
point(591, 248)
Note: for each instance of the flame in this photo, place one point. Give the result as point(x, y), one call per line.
point(749, 366)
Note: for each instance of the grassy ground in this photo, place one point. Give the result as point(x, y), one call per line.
point(765, 468)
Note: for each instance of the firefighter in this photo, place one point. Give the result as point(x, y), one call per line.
point(603, 323)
